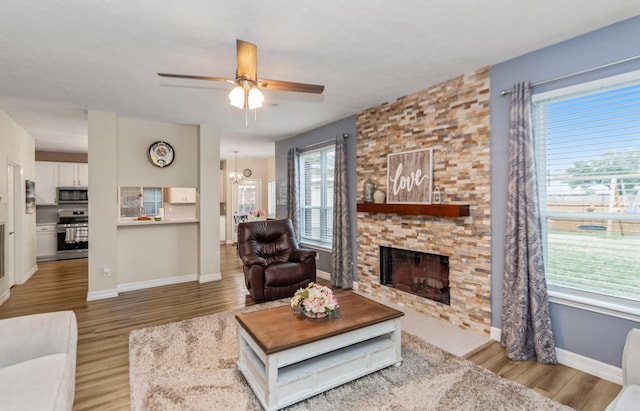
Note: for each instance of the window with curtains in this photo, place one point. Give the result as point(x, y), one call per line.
point(316, 195)
point(587, 143)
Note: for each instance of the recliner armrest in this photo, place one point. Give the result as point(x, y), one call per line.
point(250, 260)
point(301, 255)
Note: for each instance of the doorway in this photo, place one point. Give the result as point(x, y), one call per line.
point(246, 196)
point(14, 222)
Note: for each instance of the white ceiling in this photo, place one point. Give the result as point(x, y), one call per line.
point(59, 58)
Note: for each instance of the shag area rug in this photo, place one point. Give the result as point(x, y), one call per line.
point(191, 365)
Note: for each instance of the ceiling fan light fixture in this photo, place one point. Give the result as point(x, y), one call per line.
point(255, 98)
point(237, 97)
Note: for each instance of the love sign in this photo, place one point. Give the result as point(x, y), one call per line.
point(409, 177)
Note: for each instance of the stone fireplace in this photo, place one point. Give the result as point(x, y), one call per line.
point(452, 118)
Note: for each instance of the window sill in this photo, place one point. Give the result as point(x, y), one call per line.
point(596, 303)
point(316, 246)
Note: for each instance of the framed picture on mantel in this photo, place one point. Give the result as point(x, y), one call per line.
point(410, 177)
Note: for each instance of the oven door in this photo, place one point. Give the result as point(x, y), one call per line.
point(72, 241)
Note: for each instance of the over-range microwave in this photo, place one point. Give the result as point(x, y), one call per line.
point(68, 195)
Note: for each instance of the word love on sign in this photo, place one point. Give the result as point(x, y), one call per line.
point(409, 177)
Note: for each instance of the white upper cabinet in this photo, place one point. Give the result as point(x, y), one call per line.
point(46, 182)
point(73, 174)
point(182, 195)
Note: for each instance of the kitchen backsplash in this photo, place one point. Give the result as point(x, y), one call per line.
point(179, 210)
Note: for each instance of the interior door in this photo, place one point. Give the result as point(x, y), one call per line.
point(10, 262)
point(245, 196)
point(248, 196)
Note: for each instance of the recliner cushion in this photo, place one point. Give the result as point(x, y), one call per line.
point(284, 274)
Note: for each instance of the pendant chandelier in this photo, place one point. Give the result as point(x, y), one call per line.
point(235, 176)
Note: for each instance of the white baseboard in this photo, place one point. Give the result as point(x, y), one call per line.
point(102, 294)
point(589, 365)
point(579, 362)
point(5, 296)
point(28, 274)
point(140, 285)
point(205, 278)
point(327, 276)
point(323, 274)
point(495, 334)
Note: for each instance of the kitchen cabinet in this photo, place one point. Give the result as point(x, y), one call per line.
point(73, 174)
point(46, 182)
point(46, 241)
point(182, 195)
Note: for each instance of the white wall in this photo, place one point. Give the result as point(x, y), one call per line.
point(17, 147)
point(133, 141)
point(140, 256)
point(103, 208)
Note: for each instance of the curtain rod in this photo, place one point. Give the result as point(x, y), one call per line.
point(614, 63)
point(321, 143)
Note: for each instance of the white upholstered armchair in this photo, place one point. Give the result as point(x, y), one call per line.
point(38, 362)
point(629, 397)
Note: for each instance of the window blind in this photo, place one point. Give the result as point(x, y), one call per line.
point(588, 159)
point(316, 195)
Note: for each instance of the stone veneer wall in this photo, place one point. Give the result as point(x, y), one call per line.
point(453, 119)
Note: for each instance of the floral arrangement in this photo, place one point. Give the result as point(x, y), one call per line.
point(257, 213)
point(315, 301)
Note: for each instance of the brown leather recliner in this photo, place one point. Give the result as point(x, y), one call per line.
point(273, 264)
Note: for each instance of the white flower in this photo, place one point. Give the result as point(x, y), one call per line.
point(315, 298)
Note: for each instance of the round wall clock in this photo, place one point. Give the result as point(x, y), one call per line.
point(246, 172)
point(161, 154)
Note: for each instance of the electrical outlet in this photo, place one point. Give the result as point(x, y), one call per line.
point(106, 272)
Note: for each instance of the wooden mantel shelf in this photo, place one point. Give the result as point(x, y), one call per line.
point(438, 210)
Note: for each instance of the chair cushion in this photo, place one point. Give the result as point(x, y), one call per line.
point(284, 274)
point(43, 383)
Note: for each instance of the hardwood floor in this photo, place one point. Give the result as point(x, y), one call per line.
point(563, 384)
point(102, 372)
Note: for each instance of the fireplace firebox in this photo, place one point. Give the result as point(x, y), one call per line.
point(423, 274)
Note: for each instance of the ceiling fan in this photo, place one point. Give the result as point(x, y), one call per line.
point(246, 94)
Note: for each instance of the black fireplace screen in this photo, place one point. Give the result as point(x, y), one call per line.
point(423, 274)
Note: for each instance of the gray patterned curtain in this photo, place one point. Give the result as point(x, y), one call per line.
point(293, 175)
point(341, 261)
point(526, 324)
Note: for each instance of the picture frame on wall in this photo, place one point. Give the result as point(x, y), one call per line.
point(30, 196)
point(410, 177)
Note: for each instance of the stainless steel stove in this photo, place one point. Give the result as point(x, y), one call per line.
point(72, 234)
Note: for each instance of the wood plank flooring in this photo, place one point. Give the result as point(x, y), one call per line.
point(102, 372)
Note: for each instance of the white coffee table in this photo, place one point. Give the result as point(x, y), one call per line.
point(286, 358)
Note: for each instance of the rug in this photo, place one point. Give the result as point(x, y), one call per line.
point(191, 365)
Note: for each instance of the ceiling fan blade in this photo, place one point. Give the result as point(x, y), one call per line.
point(247, 60)
point(187, 76)
point(290, 86)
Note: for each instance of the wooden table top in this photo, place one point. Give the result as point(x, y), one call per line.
point(278, 329)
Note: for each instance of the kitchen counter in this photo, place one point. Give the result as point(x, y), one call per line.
point(133, 223)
